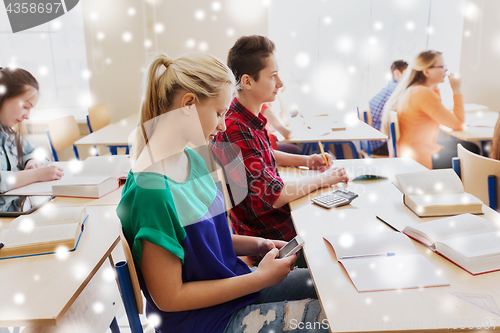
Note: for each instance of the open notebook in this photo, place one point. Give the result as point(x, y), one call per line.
point(384, 261)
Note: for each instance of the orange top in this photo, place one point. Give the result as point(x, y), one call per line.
point(420, 112)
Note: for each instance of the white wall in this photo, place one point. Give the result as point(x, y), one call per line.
point(480, 68)
point(335, 55)
point(81, 58)
point(116, 65)
point(55, 54)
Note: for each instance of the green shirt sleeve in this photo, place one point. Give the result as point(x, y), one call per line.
point(147, 212)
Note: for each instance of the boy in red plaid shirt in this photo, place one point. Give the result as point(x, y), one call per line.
point(264, 212)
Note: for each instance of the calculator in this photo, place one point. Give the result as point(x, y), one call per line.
point(336, 198)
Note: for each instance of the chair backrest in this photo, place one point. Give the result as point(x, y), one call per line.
point(474, 170)
point(98, 117)
point(130, 288)
point(62, 133)
point(365, 116)
point(133, 274)
point(393, 133)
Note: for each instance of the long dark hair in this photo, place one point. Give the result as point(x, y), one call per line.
point(15, 82)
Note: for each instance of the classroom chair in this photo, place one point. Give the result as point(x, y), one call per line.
point(62, 133)
point(480, 175)
point(394, 134)
point(366, 117)
point(98, 118)
point(130, 291)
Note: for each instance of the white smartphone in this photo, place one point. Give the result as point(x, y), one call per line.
point(291, 247)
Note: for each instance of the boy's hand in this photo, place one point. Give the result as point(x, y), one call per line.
point(334, 175)
point(316, 161)
point(272, 271)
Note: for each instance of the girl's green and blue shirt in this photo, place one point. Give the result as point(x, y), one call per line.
point(188, 219)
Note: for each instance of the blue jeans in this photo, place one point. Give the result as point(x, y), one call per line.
point(291, 305)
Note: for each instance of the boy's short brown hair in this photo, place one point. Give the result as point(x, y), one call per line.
point(248, 55)
point(400, 65)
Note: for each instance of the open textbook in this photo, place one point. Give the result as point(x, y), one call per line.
point(437, 193)
point(384, 261)
point(43, 232)
point(92, 178)
point(470, 241)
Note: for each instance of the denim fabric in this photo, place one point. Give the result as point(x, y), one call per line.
point(8, 158)
point(294, 299)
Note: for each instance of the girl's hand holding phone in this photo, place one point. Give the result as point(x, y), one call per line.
point(271, 271)
point(266, 245)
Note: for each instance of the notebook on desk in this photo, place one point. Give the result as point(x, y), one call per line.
point(384, 261)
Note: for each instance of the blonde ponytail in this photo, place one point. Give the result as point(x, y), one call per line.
point(414, 75)
point(201, 74)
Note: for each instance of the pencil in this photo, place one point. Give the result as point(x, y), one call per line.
point(323, 152)
point(389, 254)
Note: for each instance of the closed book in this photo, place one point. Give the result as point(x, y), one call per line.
point(437, 193)
point(86, 187)
point(82, 173)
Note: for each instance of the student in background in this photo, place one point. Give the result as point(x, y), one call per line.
point(376, 105)
point(265, 211)
point(174, 220)
point(280, 124)
point(495, 148)
point(18, 167)
point(420, 112)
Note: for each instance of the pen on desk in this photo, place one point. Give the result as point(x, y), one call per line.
point(389, 254)
point(323, 152)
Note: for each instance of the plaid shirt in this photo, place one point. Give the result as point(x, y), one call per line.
point(376, 106)
point(254, 216)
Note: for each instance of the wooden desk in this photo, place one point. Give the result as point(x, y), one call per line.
point(410, 309)
point(309, 131)
point(38, 291)
point(355, 130)
point(116, 134)
point(482, 134)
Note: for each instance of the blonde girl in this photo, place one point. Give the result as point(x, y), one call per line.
point(420, 112)
point(174, 219)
